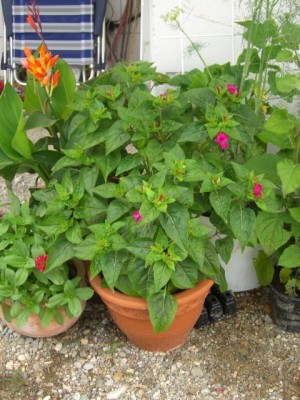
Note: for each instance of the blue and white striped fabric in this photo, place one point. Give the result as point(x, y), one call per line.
point(67, 29)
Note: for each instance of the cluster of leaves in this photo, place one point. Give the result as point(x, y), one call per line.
point(23, 288)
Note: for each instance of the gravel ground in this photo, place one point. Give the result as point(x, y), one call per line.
point(241, 357)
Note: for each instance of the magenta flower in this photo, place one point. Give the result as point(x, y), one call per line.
point(137, 216)
point(257, 190)
point(232, 89)
point(1, 213)
point(222, 139)
point(41, 262)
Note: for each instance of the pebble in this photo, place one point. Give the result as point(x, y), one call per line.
point(88, 366)
point(197, 372)
point(58, 347)
point(117, 393)
point(84, 341)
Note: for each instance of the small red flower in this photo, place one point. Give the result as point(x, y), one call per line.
point(41, 262)
point(257, 190)
point(137, 216)
point(1, 86)
point(222, 139)
point(232, 89)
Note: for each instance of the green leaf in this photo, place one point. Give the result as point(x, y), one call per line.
point(281, 122)
point(84, 293)
point(107, 190)
point(115, 210)
point(112, 264)
point(185, 274)
point(75, 306)
point(264, 268)
point(162, 274)
point(22, 318)
point(116, 137)
point(288, 83)
point(89, 207)
point(270, 231)
point(175, 224)
point(289, 174)
point(162, 309)
point(224, 248)
point(64, 93)
point(73, 234)
point(128, 163)
point(46, 317)
point(242, 221)
point(197, 250)
point(6, 312)
point(295, 213)
point(60, 252)
point(220, 201)
point(141, 278)
point(21, 276)
point(290, 258)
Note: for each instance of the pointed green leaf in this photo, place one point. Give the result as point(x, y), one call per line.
point(242, 221)
point(264, 268)
point(175, 223)
point(220, 201)
point(162, 309)
point(112, 264)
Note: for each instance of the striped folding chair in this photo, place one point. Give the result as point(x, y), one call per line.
point(74, 29)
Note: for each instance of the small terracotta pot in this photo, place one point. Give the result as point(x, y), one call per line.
point(33, 327)
point(131, 315)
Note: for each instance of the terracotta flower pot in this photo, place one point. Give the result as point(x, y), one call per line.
point(33, 327)
point(131, 315)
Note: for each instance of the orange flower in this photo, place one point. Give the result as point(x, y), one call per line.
point(30, 20)
point(41, 67)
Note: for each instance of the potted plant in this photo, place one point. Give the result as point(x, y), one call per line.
point(42, 291)
point(278, 233)
point(124, 195)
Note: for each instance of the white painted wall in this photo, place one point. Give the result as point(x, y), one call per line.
point(210, 23)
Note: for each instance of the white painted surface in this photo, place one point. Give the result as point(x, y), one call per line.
point(209, 23)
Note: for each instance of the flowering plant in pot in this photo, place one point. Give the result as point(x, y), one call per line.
point(127, 185)
point(39, 282)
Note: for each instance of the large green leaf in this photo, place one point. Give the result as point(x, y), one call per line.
point(115, 210)
point(290, 258)
point(224, 247)
point(175, 224)
point(60, 252)
point(270, 231)
point(141, 278)
point(185, 274)
point(63, 94)
point(242, 222)
point(112, 264)
point(289, 174)
point(288, 83)
point(220, 201)
point(162, 274)
point(162, 309)
point(264, 268)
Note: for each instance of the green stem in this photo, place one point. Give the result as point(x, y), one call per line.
point(195, 48)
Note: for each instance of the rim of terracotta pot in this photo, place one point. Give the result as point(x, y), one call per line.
point(138, 302)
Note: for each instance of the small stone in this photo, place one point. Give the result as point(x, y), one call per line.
point(58, 347)
point(205, 391)
point(117, 376)
point(197, 372)
point(21, 357)
point(47, 398)
point(77, 364)
point(130, 371)
point(9, 365)
point(88, 366)
point(76, 396)
point(84, 341)
point(116, 393)
point(95, 339)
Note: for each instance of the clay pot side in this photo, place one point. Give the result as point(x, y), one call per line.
point(33, 327)
point(131, 315)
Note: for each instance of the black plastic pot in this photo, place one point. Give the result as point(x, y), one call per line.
point(285, 309)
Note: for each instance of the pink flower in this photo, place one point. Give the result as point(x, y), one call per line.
point(257, 190)
point(222, 139)
point(1, 213)
point(232, 89)
point(137, 216)
point(41, 262)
